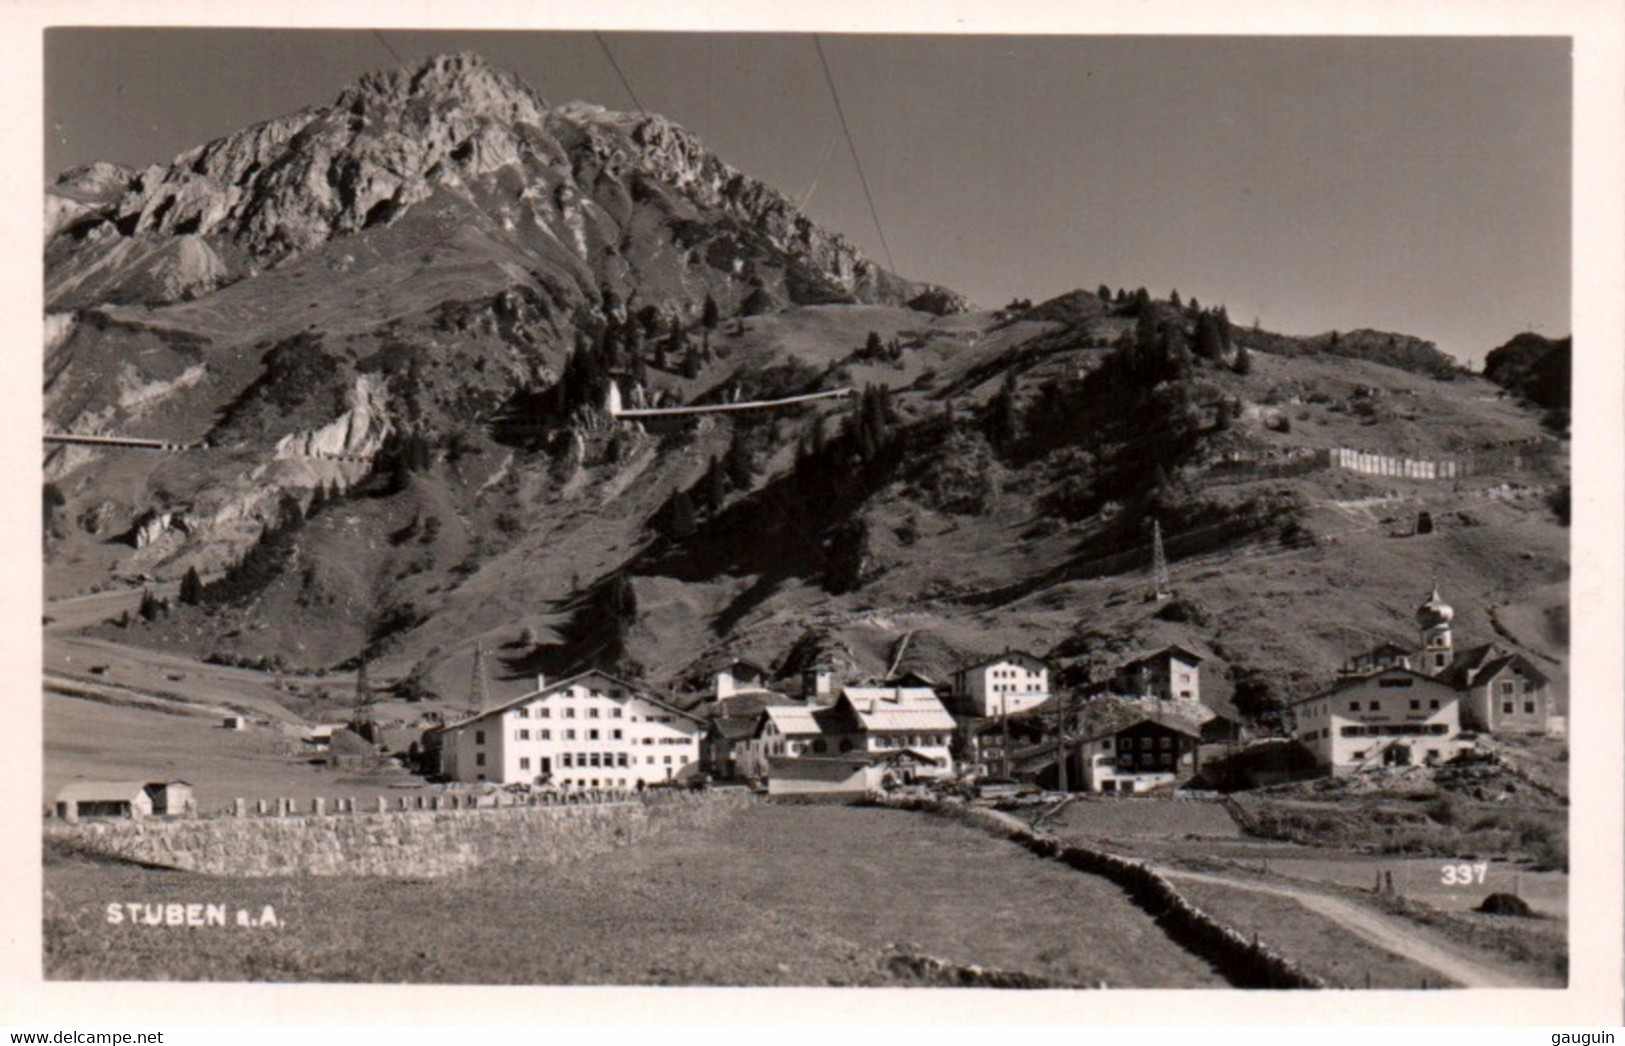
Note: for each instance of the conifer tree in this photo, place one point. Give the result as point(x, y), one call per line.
point(709, 314)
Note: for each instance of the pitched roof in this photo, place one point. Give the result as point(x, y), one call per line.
point(735, 727)
point(1458, 674)
point(1008, 655)
point(897, 696)
point(1354, 681)
point(101, 791)
point(793, 719)
point(632, 691)
point(885, 718)
point(1168, 651)
point(1177, 725)
point(747, 704)
point(1518, 661)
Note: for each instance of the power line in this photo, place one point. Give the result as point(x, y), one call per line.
point(613, 64)
point(829, 78)
point(380, 38)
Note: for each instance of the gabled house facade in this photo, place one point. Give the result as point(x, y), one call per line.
point(1172, 672)
point(1508, 695)
point(591, 730)
point(1004, 685)
point(1143, 755)
point(1397, 717)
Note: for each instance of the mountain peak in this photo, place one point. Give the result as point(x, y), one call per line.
point(456, 81)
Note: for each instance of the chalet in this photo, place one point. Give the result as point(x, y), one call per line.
point(731, 724)
point(1397, 717)
point(889, 719)
point(1172, 672)
point(133, 799)
point(591, 730)
point(818, 684)
point(1504, 695)
point(1145, 754)
point(740, 677)
point(865, 727)
point(1385, 655)
point(1004, 685)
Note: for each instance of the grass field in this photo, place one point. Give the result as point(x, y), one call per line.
point(780, 895)
point(87, 739)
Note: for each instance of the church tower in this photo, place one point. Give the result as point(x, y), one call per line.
point(1433, 619)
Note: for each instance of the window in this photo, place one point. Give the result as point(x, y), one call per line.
point(1528, 708)
point(592, 713)
point(1416, 706)
point(1434, 704)
point(1354, 706)
point(1506, 686)
point(592, 759)
point(566, 759)
point(545, 735)
point(570, 713)
point(1376, 706)
point(1506, 707)
point(1145, 742)
point(614, 735)
point(616, 713)
point(620, 758)
point(524, 762)
point(522, 735)
point(1167, 759)
point(1106, 743)
point(1352, 731)
point(479, 737)
point(592, 735)
point(522, 713)
point(649, 759)
point(570, 735)
point(479, 758)
point(820, 746)
point(1357, 755)
point(668, 760)
point(544, 713)
point(1167, 742)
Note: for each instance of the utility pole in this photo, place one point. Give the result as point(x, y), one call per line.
point(1004, 726)
point(479, 695)
point(1060, 735)
point(1161, 587)
point(362, 711)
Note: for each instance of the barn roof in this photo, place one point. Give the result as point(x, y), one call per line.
point(102, 791)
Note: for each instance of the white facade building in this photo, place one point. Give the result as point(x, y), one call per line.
point(589, 731)
point(1396, 717)
point(1004, 685)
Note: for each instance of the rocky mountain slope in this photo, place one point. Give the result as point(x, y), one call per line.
point(389, 324)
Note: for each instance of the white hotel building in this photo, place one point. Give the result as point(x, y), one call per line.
point(588, 731)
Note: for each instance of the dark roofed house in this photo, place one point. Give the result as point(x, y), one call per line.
point(1145, 754)
point(1172, 672)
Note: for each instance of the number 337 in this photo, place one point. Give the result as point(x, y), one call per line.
point(1464, 874)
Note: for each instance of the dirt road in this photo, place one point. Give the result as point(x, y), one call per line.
point(1388, 932)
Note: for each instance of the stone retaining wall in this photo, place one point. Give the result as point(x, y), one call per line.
point(416, 843)
point(1245, 963)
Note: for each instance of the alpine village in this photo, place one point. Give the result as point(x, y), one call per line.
point(510, 516)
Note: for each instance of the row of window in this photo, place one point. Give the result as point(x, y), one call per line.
point(1376, 706)
point(1145, 743)
point(1145, 760)
point(1395, 730)
point(593, 759)
point(594, 734)
point(1528, 707)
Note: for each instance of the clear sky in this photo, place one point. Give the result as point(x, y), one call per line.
point(1412, 184)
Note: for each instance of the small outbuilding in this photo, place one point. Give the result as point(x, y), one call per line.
point(131, 799)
